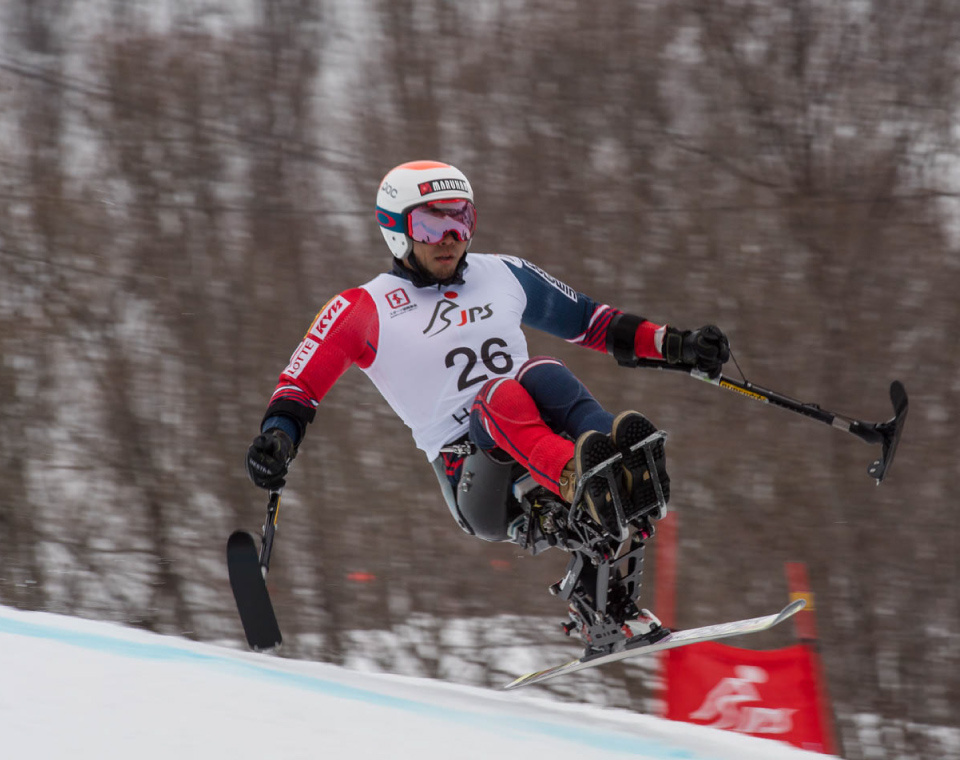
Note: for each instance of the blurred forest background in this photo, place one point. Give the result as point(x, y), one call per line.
point(184, 183)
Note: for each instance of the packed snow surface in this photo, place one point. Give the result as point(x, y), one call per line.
point(80, 689)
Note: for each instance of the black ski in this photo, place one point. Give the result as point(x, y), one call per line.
point(247, 568)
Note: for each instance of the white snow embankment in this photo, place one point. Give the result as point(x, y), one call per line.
point(80, 689)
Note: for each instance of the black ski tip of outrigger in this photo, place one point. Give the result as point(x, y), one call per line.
point(890, 431)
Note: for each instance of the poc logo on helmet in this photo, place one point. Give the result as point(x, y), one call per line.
point(389, 189)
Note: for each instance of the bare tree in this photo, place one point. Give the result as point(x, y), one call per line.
point(181, 204)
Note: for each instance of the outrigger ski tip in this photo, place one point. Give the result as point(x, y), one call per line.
point(250, 592)
point(642, 645)
point(890, 431)
point(247, 566)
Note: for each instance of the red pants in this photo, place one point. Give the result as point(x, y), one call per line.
point(504, 415)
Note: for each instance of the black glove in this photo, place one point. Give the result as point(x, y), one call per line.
point(268, 457)
point(707, 349)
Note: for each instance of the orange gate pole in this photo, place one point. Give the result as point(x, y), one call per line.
point(805, 625)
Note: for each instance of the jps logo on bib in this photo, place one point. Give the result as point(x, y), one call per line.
point(450, 314)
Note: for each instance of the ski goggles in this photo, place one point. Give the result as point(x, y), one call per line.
point(433, 221)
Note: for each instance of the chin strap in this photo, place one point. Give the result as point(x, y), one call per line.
point(421, 278)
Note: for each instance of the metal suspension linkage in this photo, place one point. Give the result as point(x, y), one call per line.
point(603, 577)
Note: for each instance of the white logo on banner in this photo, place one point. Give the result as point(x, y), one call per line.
point(725, 706)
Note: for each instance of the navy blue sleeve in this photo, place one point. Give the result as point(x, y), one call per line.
point(286, 424)
point(557, 309)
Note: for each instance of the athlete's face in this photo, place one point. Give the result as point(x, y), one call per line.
point(440, 260)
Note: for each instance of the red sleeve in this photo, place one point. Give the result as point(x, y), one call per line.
point(644, 342)
point(344, 332)
point(595, 336)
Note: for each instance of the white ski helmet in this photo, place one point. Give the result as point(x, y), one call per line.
point(410, 185)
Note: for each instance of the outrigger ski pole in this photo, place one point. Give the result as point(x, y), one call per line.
point(248, 568)
point(887, 434)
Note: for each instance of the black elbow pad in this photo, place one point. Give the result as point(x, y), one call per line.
point(621, 339)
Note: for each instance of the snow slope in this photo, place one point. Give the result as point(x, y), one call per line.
point(79, 689)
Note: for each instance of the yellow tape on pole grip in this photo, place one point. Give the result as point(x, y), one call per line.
point(742, 391)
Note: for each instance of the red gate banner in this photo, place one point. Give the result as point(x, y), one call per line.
point(771, 694)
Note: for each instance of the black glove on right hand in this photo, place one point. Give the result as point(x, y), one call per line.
point(707, 349)
point(268, 457)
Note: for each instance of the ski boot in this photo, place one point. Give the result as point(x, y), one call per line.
point(615, 497)
point(644, 464)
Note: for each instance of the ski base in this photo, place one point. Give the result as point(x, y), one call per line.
point(890, 432)
point(250, 591)
point(670, 641)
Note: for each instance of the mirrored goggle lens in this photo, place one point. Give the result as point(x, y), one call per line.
point(432, 222)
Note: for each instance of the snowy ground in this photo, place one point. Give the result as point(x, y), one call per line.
point(79, 689)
